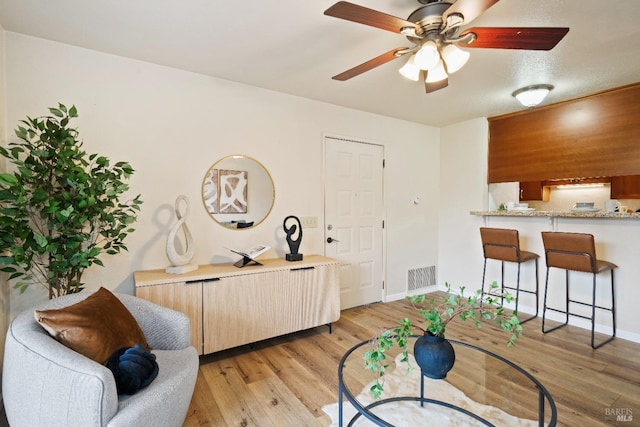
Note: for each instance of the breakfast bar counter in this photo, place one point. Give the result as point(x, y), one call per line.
point(560, 214)
point(616, 234)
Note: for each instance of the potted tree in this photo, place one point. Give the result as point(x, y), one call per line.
point(433, 353)
point(61, 208)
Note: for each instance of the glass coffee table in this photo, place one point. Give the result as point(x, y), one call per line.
point(482, 389)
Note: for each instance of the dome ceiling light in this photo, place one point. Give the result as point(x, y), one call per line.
point(530, 96)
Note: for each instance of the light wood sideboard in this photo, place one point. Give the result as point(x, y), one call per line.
point(230, 306)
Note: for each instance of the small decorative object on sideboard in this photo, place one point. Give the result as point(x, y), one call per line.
point(180, 262)
point(249, 255)
point(294, 244)
point(433, 353)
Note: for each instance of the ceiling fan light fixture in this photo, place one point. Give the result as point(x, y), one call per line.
point(437, 74)
point(454, 57)
point(428, 56)
point(437, 24)
point(410, 70)
point(530, 96)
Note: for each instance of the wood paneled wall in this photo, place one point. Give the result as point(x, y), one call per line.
point(594, 136)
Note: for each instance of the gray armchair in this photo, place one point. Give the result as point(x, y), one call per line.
point(47, 384)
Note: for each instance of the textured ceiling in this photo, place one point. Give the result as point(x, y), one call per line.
point(290, 46)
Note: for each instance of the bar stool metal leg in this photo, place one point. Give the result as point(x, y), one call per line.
point(536, 294)
point(484, 273)
point(545, 307)
point(593, 315)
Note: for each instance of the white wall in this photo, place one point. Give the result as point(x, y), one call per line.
point(173, 125)
point(463, 188)
point(413, 227)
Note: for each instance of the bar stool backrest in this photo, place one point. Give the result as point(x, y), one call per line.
point(571, 251)
point(500, 243)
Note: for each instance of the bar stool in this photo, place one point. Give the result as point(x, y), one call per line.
point(576, 252)
point(503, 244)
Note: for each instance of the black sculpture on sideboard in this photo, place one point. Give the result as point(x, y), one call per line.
point(294, 244)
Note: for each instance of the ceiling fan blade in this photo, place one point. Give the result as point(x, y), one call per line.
point(362, 15)
point(516, 38)
point(370, 64)
point(433, 86)
point(469, 9)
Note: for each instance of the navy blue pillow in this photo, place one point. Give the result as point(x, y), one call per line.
point(133, 368)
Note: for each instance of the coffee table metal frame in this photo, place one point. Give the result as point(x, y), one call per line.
point(543, 394)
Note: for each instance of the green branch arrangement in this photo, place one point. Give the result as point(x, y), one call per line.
point(60, 209)
point(437, 312)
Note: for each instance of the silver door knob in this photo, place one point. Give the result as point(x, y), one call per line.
point(331, 240)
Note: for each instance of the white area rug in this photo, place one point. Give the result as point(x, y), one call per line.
point(400, 414)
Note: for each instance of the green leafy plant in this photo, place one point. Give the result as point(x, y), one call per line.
point(60, 209)
point(437, 312)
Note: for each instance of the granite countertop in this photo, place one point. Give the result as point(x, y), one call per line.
point(560, 214)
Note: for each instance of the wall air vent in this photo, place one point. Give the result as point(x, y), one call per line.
point(419, 278)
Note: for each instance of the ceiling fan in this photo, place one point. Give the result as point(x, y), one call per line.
point(434, 29)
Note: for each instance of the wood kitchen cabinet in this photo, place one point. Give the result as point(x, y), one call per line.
point(558, 142)
point(533, 190)
point(625, 187)
point(229, 306)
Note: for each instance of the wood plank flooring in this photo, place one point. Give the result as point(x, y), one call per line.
point(287, 380)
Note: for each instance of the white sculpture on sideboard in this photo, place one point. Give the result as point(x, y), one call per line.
point(180, 263)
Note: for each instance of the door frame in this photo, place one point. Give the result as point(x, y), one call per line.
point(325, 135)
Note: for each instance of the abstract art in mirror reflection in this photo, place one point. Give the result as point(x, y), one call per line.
point(210, 191)
point(232, 191)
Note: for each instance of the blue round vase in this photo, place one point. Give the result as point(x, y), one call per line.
point(434, 355)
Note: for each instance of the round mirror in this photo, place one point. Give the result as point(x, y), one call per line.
point(238, 192)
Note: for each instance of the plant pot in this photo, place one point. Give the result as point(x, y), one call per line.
point(434, 355)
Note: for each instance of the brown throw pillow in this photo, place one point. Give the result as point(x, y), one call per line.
point(95, 327)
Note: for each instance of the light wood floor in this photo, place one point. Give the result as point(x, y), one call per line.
point(286, 381)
